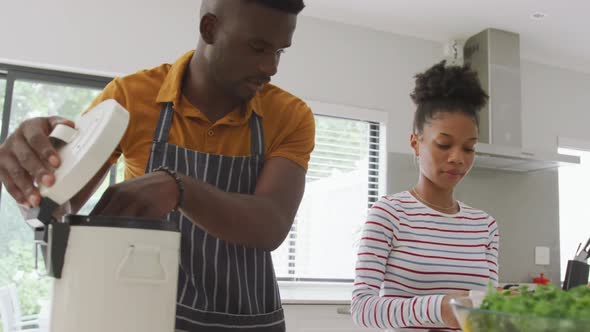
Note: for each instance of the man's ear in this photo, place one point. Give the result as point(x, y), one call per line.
point(208, 28)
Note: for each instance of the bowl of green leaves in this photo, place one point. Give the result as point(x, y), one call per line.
point(546, 309)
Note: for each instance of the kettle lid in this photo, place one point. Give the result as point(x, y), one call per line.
point(87, 147)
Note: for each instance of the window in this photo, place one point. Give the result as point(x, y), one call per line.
point(2, 96)
point(573, 217)
point(33, 93)
point(343, 180)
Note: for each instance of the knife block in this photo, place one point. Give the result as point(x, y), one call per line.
point(576, 274)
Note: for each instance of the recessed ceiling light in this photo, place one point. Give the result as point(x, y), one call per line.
point(538, 16)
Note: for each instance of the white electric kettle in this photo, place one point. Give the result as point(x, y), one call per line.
point(110, 273)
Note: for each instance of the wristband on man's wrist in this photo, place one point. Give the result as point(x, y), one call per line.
point(179, 184)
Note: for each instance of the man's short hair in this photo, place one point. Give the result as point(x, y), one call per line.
point(289, 6)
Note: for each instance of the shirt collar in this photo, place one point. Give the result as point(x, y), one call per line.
point(171, 91)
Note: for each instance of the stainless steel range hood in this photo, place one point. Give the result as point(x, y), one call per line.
point(513, 159)
point(495, 55)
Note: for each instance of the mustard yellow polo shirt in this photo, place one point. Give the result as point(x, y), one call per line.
point(288, 123)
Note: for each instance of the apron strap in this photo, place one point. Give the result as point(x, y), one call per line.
point(256, 136)
point(163, 127)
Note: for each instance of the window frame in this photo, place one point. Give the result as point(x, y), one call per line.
point(378, 117)
point(337, 291)
point(578, 145)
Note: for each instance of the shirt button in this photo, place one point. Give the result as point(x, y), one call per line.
point(210, 132)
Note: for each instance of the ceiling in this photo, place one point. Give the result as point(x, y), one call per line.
point(561, 39)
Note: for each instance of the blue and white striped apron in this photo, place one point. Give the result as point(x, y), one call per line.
point(221, 286)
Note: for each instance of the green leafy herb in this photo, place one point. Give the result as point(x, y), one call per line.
point(548, 308)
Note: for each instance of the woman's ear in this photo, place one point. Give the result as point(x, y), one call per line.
point(414, 140)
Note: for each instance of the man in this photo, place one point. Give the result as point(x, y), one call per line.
point(210, 139)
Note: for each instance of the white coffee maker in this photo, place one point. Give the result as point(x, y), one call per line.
point(111, 274)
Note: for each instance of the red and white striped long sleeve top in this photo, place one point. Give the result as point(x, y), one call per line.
point(410, 256)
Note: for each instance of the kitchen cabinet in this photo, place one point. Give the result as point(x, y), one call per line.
point(320, 318)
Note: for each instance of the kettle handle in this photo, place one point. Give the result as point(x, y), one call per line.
point(63, 133)
point(142, 264)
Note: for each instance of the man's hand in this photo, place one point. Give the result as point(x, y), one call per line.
point(27, 156)
point(153, 196)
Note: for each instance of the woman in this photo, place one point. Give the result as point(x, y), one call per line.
point(421, 247)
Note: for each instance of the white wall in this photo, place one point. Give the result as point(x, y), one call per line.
point(342, 64)
point(556, 102)
point(106, 36)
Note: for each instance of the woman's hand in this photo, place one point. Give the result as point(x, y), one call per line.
point(447, 311)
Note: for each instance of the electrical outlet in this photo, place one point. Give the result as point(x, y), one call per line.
point(542, 255)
